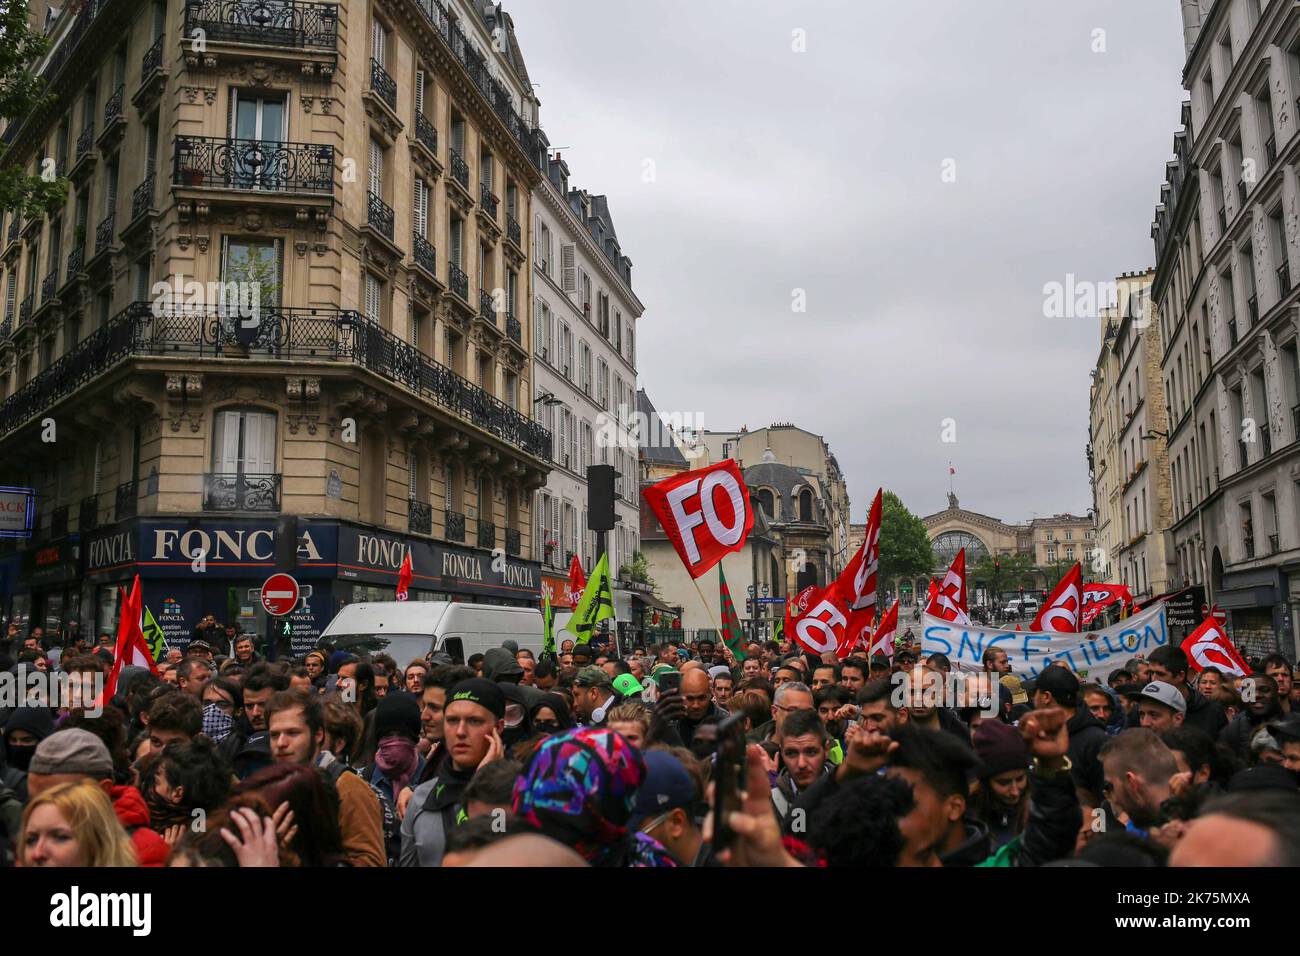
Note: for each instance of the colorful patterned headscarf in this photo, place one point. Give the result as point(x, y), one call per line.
point(579, 787)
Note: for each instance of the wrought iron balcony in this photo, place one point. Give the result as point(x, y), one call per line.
point(487, 535)
point(86, 140)
point(1241, 193)
point(424, 253)
point(455, 526)
point(262, 165)
point(457, 281)
point(88, 518)
point(104, 233)
point(278, 335)
point(485, 308)
point(59, 522)
point(382, 84)
point(419, 516)
point(6, 328)
point(513, 542)
point(1272, 543)
point(1244, 454)
point(1283, 279)
point(311, 26)
point(1270, 149)
point(76, 262)
point(1266, 437)
point(1252, 305)
point(15, 226)
point(487, 201)
point(459, 168)
point(379, 215)
point(142, 198)
point(25, 309)
point(238, 491)
point(49, 285)
point(1232, 332)
point(514, 232)
point(1249, 542)
point(113, 108)
point(426, 133)
point(151, 62)
point(514, 329)
point(126, 500)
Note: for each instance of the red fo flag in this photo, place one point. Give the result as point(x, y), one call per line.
point(949, 600)
point(1208, 646)
point(931, 593)
point(797, 608)
point(706, 513)
point(828, 624)
point(131, 649)
point(882, 641)
point(577, 581)
point(404, 575)
point(857, 582)
point(1061, 613)
point(1098, 597)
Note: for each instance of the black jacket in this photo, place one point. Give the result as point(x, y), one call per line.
point(1087, 734)
point(1054, 820)
point(1236, 735)
point(974, 849)
point(1204, 714)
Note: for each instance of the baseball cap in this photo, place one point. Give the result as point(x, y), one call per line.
point(666, 786)
point(1061, 684)
point(479, 691)
point(198, 646)
point(593, 677)
point(1166, 694)
point(627, 685)
point(72, 751)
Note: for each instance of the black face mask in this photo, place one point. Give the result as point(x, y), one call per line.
point(19, 757)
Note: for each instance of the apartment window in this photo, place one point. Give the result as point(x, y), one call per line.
point(458, 136)
point(566, 350)
point(542, 332)
point(584, 367)
point(11, 293)
point(376, 169)
point(259, 116)
point(618, 332)
point(378, 42)
point(542, 252)
point(512, 390)
point(420, 210)
point(374, 298)
point(254, 264)
point(584, 287)
point(603, 310)
point(1225, 52)
point(631, 343)
point(568, 268)
point(485, 170)
point(421, 80)
point(512, 287)
point(588, 441)
point(243, 442)
point(602, 384)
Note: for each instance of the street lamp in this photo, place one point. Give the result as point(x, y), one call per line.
point(753, 624)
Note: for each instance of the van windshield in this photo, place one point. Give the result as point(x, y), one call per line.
point(403, 648)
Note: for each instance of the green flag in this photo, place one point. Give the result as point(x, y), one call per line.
point(548, 626)
point(595, 605)
point(153, 636)
point(731, 634)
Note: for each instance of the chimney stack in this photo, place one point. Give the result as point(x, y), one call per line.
point(1191, 23)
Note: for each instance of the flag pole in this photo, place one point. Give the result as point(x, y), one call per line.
point(707, 608)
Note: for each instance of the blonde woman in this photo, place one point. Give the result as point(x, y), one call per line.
point(73, 824)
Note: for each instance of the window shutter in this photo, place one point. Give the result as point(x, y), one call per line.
point(419, 91)
point(421, 209)
point(537, 237)
point(259, 443)
point(539, 333)
point(410, 476)
point(376, 169)
point(225, 445)
point(568, 269)
point(377, 38)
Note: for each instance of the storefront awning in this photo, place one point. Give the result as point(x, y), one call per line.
point(649, 600)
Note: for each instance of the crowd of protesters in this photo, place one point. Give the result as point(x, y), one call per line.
point(585, 757)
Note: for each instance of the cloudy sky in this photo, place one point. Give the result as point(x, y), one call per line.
point(823, 171)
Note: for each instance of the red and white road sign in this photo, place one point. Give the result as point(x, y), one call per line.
point(280, 595)
point(1220, 616)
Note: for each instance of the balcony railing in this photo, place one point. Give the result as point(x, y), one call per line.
point(76, 261)
point(1244, 454)
point(457, 281)
point(1270, 149)
point(487, 201)
point(254, 164)
point(278, 335)
point(142, 198)
point(15, 226)
point(1250, 546)
point(419, 516)
point(1283, 279)
point(125, 500)
point(49, 285)
point(1272, 543)
point(514, 329)
point(1252, 306)
point(513, 542)
point(151, 62)
point(88, 517)
point(485, 306)
point(455, 525)
point(25, 309)
point(383, 84)
point(238, 491)
point(1241, 193)
point(426, 133)
point(514, 232)
point(379, 215)
point(424, 253)
point(312, 26)
point(104, 233)
point(487, 535)
point(1266, 438)
point(86, 140)
point(113, 108)
point(459, 168)
point(1232, 332)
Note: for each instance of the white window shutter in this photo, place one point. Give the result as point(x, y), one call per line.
point(568, 268)
point(419, 91)
point(537, 237)
point(377, 41)
point(376, 169)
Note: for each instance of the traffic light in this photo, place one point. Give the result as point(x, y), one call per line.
point(997, 564)
point(1022, 590)
point(282, 633)
point(749, 606)
point(600, 497)
point(286, 543)
point(1044, 593)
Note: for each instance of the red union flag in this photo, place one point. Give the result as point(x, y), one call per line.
point(949, 600)
point(1208, 646)
point(1061, 613)
point(577, 581)
point(1098, 597)
point(857, 583)
point(404, 575)
point(882, 641)
point(799, 606)
point(706, 513)
point(826, 625)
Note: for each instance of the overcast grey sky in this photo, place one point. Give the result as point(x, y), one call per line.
point(776, 170)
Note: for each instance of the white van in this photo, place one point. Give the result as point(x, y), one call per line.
point(1016, 606)
point(410, 630)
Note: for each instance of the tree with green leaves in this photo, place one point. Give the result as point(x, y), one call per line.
point(905, 551)
point(1003, 572)
point(21, 92)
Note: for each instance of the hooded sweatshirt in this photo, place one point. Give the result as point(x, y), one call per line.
point(1087, 734)
point(500, 665)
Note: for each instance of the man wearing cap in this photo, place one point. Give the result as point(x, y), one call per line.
point(1169, 665)
point(593, 696)
point(1058, 687)
point(628, 687)
point(73, 755)
point(665, 809)
point(472, 724)
point(1161, 707)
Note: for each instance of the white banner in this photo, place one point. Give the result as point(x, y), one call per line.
point(1090, 654)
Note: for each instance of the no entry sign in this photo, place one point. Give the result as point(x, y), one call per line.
point(279, 595)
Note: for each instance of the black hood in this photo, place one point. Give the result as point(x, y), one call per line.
point(1082, 720)
point(975, 848)
point(500, 665)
